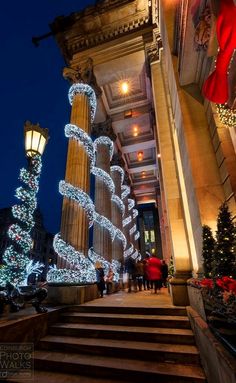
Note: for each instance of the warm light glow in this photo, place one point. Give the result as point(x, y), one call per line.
point(124, 87)
point(140, 156)
point(159, 156)
point(35, 139)
point(143, 174)
point(135, 130)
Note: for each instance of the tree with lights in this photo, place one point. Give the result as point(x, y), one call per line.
point(224, 263)
point(15, 257)
point(208, 245)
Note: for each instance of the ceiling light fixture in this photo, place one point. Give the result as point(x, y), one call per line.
point(140, 156)
point(135, 131)
point(128, 113)
point(124, 87)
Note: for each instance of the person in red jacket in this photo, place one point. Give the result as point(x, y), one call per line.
point(154, 272)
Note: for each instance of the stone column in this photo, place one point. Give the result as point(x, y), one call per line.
point(127, 220)
point(118, 210)
point(74, 219)
point(74, 222)
point(180, 246)
point(102, 239)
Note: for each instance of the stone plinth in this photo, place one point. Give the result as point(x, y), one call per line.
point(71, 295)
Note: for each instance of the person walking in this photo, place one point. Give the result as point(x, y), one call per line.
point(164, 272)
point(131, 270)
point(109, 280)
point(100, 277)
point(139, 274)
point(146, 284)
point(154, 272)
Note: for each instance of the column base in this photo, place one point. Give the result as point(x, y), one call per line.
point(178, 288)
point(71, 295)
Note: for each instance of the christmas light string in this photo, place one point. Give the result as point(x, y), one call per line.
point(131, 204)
point(83, 267)
point(116, 168)
point(119, 203)
point(15, 257)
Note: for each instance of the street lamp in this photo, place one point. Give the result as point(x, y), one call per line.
point(36, 139)
point(15, 258)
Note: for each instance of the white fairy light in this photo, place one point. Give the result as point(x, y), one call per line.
point(73, 131)
point(81, 276)
point(106, 223)
point(126, 221)
point(104, 140)
point(133, 229)
point(131, 203)
point(129, 251)
point(105, 177)
point(88, 91)
point(116, 168)
point(125, 191)
point(135, 254)
point(84, 270)
point(120, 235)
point(79, 196)
point(119, 203)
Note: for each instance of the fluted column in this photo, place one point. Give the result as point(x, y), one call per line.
point(74, 221)
point(127, 220)
point(101, 236)
point(117, 212)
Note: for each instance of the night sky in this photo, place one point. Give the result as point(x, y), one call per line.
point(32, 88)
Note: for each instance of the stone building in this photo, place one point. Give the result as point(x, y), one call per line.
point(147, 62)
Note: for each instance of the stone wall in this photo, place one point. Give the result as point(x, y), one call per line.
point(219, 365)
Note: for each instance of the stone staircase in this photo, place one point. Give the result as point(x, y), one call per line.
point(119, 344)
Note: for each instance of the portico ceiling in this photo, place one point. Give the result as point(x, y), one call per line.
point(132, 119)
point(118, 35)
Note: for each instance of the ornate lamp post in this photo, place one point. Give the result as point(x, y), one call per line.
point(15, 257)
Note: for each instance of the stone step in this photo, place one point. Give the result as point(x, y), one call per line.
point(160, 352)
point(146, 334)
point(171, 310)
point(128, 370)
point(57, 377)
point(127, 319)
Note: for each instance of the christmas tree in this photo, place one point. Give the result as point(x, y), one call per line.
point(224, 263)
point(208, 245)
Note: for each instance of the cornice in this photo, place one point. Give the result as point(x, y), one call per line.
point(106, 21)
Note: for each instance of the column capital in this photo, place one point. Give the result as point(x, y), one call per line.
point(153, 49)
point(84, 74)
point(104, 129)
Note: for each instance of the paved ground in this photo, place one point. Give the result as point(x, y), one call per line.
point(142, 298)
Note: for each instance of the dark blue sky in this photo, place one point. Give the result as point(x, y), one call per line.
point(32, 88)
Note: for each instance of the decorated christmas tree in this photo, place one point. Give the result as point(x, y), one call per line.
point(208, 245)
point(224, 263)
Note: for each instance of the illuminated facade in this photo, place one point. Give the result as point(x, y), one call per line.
point(175, 150)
